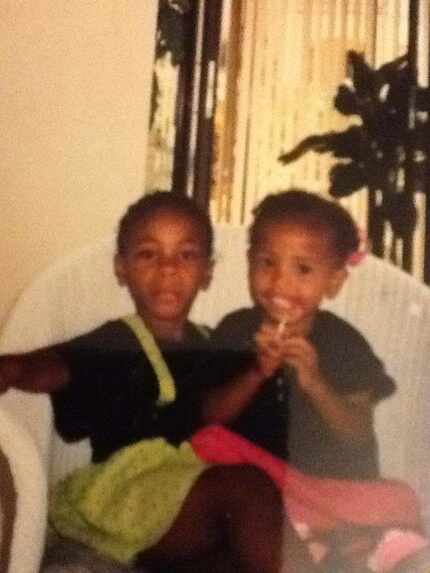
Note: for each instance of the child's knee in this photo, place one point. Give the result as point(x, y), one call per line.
point(246, 484)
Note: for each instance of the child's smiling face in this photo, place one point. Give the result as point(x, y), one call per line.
point(164, 267)
point(291, 270)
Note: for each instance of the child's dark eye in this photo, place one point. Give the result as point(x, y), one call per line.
point(146, 255)
point(304, 269)
point(263, 261)
point(189, 255)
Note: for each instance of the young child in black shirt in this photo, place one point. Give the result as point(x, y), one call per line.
point(306, 370)
point(296, 380)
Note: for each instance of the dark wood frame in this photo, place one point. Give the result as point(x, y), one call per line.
point(183, 113)
point(187, 86)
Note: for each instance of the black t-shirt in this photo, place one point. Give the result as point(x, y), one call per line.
point(281, 418)
point(113, 392)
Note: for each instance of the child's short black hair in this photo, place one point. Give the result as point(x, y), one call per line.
point(299, 206)
point(157, 201)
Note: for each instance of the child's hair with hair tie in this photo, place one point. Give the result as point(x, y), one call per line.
point(357, 256)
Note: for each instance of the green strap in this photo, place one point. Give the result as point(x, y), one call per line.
point(167, 390)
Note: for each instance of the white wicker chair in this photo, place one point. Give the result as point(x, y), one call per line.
point(389, 307)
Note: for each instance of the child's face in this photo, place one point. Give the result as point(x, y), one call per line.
point(164, 267)
point(292, 269)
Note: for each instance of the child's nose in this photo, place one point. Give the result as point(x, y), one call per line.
point(284, 281)
point(168, 263)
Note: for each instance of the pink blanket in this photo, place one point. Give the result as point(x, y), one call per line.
point(323, 504)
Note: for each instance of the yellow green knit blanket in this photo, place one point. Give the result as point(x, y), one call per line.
point(125, 505)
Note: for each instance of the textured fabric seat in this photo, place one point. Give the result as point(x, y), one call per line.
point(79, 292)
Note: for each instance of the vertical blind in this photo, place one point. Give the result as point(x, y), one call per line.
point(281, 62)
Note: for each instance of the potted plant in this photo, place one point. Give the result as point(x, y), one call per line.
point(385, 152)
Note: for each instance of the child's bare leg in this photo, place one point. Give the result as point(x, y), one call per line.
point(237, 511)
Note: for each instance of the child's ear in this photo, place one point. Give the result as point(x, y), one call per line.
point(207, 279)
point(118, 264)
point(336, 282)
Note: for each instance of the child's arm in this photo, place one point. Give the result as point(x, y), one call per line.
point(38, 371)
point(350, 416)
point(225, 402)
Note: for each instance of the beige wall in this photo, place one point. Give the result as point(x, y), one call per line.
point(74, 107)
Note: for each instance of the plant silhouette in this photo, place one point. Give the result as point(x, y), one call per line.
point(386, 151)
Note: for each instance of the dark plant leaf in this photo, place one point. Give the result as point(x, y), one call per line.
point(345, 178)
point(388, 72)
point(398, 94)
point(362, 75)
point(318, 143)
point(352, 144)
point(387, 132)
point(346, 101)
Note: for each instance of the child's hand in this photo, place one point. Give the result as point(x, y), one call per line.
point(279, 346)
point(270, 349)
point(299, 353)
